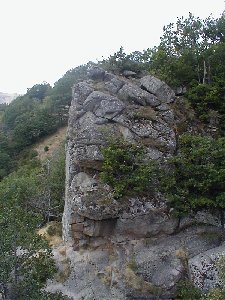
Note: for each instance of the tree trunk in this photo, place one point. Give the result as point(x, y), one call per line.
point(222, 218)
point(209, 74)
point(198, 71)
point(204, 72)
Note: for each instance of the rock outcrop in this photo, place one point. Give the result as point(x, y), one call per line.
point(131, 249)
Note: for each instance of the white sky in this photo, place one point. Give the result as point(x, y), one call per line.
point(42, 39)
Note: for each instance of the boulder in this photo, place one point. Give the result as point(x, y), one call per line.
point(157, 87)
point(128, 73)
point(205, 268)
point(96, 73)
point(132, 93)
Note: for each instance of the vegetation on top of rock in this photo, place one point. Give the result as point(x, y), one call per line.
point(192, 180)
point(191, 55)
point(125, 170)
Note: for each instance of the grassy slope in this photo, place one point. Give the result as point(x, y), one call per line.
point(53, 141)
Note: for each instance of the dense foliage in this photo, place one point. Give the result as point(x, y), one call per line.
point(27, 198)
point(125, 170)
point(194, 179)
point(25, 258)
point(34, 115)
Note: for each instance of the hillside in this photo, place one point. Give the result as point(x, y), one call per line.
point(7, 98)
point(53, 143)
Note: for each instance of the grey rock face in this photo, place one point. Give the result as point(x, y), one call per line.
point(128, 73)
point(103, 105)
point(141, 268)
point(137, 228)
point(205, 268)
point(158, 88)
point(96, 73)
point(132, 93)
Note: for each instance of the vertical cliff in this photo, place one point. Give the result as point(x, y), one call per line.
point(112, 106)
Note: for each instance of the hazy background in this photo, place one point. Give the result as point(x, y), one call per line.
point(42, 39)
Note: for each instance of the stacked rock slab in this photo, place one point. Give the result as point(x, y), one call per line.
point(136, 252)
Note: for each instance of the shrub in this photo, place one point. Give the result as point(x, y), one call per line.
point(186, 291)
point(125, 170)
point(195, 178)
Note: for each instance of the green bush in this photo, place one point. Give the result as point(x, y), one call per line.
point(186, 291)
point(194, 179)
point(125, 170)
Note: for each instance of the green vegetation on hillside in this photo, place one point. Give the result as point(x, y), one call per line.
point(28, 197)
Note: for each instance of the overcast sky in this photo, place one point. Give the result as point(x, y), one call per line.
point(42, 39)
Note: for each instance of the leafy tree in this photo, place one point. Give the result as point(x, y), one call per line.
point(54, 185)
point(5, 156)
point(5, 164)
point(61, 94)
point(25, 259)
point(39, 91)
point(19, 106)
point(31, 126)
point(195, 178)
point(120, 61)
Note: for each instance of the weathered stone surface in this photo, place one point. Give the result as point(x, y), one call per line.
point(181, 91)
point(77, 227)
point(154, 223)
point(204, 268)
point(201, 217)
point(114, 85)
point(157, 87)
point(128, 73)
point(94, 117)
point(146, 268)
point(133, 93)
point(103, 105)
point(96, 73)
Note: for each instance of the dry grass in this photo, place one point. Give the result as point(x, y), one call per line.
point(139, 284)
point(52, 141)
point(53, 240)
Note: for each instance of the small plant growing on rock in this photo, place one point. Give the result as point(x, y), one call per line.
point(132, 264)
point(186, 291)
